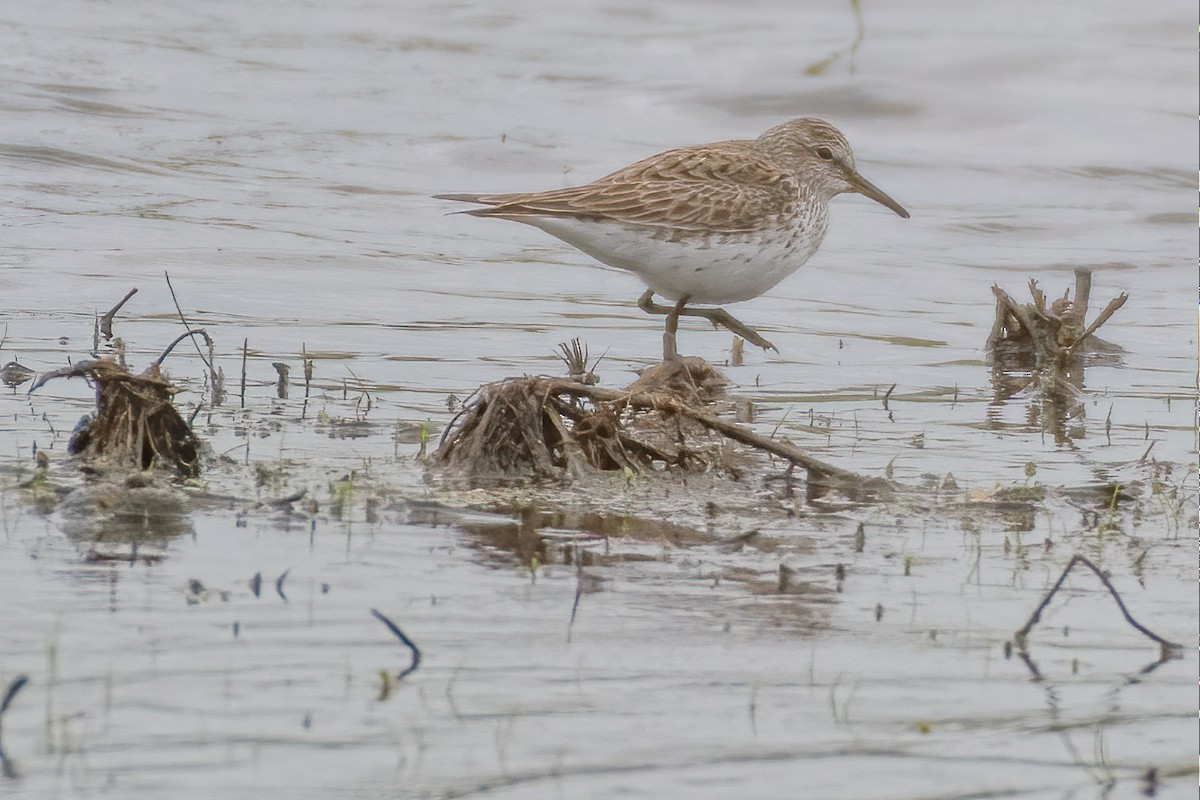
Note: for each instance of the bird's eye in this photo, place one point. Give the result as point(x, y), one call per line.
point(825, 153)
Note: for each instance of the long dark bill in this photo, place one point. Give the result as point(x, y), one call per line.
point(865, 187)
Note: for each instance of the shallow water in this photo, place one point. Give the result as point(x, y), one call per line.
point(278, 162)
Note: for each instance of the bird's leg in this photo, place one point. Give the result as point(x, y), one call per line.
point(670, 353)
point(717, 316)
point(646, 303)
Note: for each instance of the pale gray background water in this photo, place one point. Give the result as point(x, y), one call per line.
point(277, 159)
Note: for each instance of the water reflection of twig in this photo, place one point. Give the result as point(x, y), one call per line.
point(1098, 768)
point(7, 768)
point(820, 67)
point(399, 634)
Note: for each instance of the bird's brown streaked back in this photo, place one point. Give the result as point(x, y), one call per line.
point(735, 186)
point(724, 187)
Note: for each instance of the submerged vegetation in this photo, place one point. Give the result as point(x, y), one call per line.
point(522, 445)
point(678, 418)
point(555, 477)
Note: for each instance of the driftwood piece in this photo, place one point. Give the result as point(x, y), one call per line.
point(543, 428)
point(1056, 332)
point(1047, 342)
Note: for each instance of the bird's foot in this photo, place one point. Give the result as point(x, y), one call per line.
point(717, 316)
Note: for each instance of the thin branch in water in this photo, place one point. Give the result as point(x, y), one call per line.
point(191, 333)
point(887, 395)
point(183, 319)
point(399, 634)
point(1102, 318)
point(245, 348)
point(308, 368)
point(1169, 649)
point(279, 584)
point(75, 370)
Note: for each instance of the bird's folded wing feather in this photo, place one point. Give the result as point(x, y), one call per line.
point(726, 187)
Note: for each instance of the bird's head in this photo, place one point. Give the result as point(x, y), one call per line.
point(821, 157)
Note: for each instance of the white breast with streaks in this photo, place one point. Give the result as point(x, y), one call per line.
point(711, 268)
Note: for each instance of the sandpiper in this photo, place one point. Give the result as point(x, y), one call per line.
point(712, 223)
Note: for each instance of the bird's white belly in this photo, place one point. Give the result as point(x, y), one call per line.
point(712, 269)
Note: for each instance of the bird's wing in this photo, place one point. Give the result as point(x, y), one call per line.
point(725, 187)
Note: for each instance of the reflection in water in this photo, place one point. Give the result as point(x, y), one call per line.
point(7, 767)
point(745, 574)
point(1052, 404)
point(131, 519)
point(534, 535)
point(1060, 716)
point(822, 66)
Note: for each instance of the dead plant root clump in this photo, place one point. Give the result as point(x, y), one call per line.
point(537, 428)
point(135, 425)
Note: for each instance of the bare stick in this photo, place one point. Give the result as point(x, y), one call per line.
point(998, 324)
point(1039, 297)
point(308, 368)
point(407, 642)
point(245, 347)
point(1018, 311)
point(1035, 617)
point(183, 319)
point(888, 394)
point(106, 321)
point(194, 332)
point(73, 371)
point(1102, 317)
